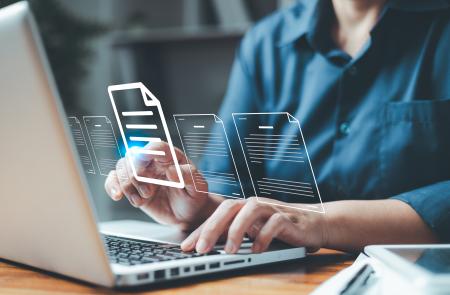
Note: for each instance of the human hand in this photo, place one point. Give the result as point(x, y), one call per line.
point(262, 222)
point(186, 208)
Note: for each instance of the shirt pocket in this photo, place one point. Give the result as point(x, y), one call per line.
point(415, 144)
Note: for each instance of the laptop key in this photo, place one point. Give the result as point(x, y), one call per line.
point(178, 255)
point(134, 257)
point(131, 252)
point(164, 258)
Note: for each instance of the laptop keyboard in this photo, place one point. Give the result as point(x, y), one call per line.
point(129, 252)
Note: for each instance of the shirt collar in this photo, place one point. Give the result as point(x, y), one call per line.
point(297, 21)
point(303, 17)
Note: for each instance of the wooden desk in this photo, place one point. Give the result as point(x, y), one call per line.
point(296, 277)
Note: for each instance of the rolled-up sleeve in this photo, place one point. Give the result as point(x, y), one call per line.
point(432, 203)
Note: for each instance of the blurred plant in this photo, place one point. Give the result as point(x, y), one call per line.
point(66, 40)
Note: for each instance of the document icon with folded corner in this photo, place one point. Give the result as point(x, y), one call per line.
point(271, 141)
point(200, 140)
point(81, 144)
point(103, 142)
point(141, 122)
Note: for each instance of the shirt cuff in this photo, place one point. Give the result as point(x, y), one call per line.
point(432, 203)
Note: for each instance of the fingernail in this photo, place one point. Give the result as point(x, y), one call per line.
point(146, 191)
point(171, 174)
point(135, 200)
point(202, 246)
point(113, 193)
point(230, 247)
point(186, 244)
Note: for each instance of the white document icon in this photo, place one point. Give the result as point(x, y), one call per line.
point(141, 122)
point(81, 144)
point(277, 159)
point(103, 142)
point(201, 140)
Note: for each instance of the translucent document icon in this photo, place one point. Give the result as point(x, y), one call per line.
point(80, 143)
point(103, 141)
point(271, 142)
point(200, 139)
point(142, 124)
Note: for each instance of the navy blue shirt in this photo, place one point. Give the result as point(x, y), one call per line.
point(376, 125)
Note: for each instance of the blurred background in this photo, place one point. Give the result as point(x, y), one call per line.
point(182, 50)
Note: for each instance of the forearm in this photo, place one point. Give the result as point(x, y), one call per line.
point(351, 225)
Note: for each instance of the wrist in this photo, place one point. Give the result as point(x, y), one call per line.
point(336, 224)
point(326, 222)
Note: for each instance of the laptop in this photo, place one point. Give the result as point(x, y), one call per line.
point(47, 218)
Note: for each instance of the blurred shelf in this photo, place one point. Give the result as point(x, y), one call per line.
point(176, 35)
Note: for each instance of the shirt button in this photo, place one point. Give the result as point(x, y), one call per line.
point(344, 128)
point(353, 71)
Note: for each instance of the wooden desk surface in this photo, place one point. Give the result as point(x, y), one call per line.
point(295, 277)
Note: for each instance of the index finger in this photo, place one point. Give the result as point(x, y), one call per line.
point(217, 224)
point(112, 186)
point(250, 213)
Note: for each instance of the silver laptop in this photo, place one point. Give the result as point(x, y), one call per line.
point(46, 213)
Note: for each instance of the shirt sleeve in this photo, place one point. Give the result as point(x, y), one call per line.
point(432, 203)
